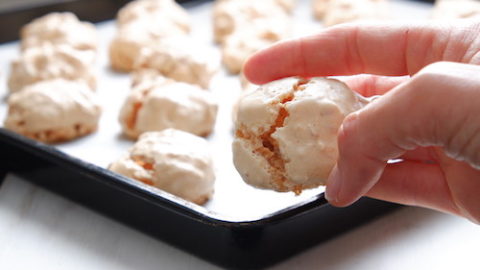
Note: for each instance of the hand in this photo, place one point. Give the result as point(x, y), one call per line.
point(430, 118)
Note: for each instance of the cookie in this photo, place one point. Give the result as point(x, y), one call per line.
point(53, 111)
point(319, 8)
point(230, 16)
point(125, 48)
point(238, 48)
point(59, 28)
point(342, 11)
point(147, 78)
point(157, 12)
point(50, 62)
point(286, 132)
point(171, 160)
point(180, 59)
point(168, 104)
point(287, 5)
point(449, 9)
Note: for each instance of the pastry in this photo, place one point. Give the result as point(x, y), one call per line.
point(230, 16)
point(141, 24)
point(449, 9)
point(237, 48)
point(49, 62)
point(131, 38)
point(147, 77)
point(59, 29)
point(168, 104)
point(157, 12)
point(287, 5)
point(320, 8)
point(179, 58)
point(286, 132)
point(171, 160)
point(342, 11)
point(53, 111)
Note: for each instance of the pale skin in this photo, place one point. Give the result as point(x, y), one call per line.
point(428, 115)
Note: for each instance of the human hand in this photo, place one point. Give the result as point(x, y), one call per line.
point(430, 120)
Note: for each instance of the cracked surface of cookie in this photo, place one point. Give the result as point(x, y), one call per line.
point(163, 104)
point(286, 131)
point(342, 11)
point(171, 160)
point(157, 12)
point(179, 58)
point(59, 28)
point(50, 62)
point(53, 111)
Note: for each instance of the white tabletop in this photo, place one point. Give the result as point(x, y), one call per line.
point(40, 230)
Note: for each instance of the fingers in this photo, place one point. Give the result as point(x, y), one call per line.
point(435, 107)
point(415, 183)
point(370, 85)
point(382, 49)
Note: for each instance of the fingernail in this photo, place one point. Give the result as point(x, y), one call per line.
point(333, 186)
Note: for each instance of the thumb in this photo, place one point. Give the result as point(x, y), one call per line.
point(437, 107)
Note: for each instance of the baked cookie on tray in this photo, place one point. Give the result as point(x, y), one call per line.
point(131, 38)
point(343, 11)
point(180, 58)
point(455, 9)
point(238, 47)
point(161, 104)
point(230, 16)
point(286, 132)
point(50, 62)
point(59, 28)
point(155, 11)
point(142, 23)
point(53, 111)
point(171, 160)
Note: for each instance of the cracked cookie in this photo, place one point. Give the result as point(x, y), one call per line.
point(142, 23)
point(266, 16)
point(286, 132)
point(172, 160)
point(320, 8)
point(53, 111)
point(131, 38)
point(343, 11)
point(51, 62)
point(160, 104)
point(59, 28)
point(455, 9)
point(180, 59)
point(157, 12)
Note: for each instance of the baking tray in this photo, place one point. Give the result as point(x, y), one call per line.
point(241, 228)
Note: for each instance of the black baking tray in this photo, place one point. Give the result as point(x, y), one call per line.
point(248, 244)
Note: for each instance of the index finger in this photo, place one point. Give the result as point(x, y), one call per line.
point(382, 49)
